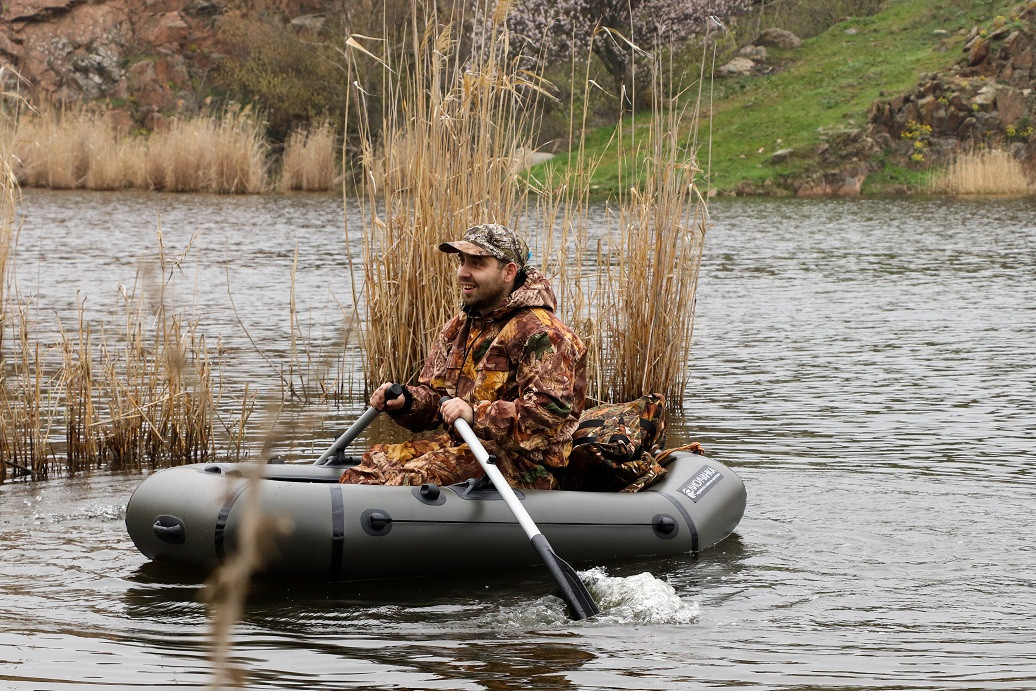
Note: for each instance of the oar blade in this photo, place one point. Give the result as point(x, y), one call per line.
point(580, 602)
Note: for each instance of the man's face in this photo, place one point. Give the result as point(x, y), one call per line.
point(485, 282)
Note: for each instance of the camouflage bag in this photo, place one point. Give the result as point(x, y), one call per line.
point(615, 445)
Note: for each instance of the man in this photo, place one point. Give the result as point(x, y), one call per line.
point(514, 371)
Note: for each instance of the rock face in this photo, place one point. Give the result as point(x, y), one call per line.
point(144, 56)
point(987, 100)
point(139, 55)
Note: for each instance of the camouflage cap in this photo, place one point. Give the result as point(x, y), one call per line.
point(491, 239)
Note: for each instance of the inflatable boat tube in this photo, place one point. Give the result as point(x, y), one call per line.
point(192, 516)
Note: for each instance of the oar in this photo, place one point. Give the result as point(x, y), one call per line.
point(392, 393)
point(580, 603)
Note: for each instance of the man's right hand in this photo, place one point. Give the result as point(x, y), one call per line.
point(379, 401)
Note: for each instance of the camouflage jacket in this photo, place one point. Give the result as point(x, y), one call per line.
point(524, 374)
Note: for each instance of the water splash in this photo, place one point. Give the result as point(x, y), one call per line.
point(639, 599)
point(629, 600)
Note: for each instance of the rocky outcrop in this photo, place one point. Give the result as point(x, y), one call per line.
point(986, 100)
point(145, 58)
point(140, 56)
point(778, 38)
point(753, 58)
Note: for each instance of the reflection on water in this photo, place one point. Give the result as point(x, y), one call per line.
point(866, 366)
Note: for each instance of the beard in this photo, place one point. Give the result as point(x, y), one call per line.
point(485, 296)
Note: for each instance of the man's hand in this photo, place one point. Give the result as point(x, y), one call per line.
point(379, 401)
point(455, 409)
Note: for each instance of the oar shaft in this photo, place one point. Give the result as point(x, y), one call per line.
point(508, 495)
point(391, 393)
point(349, 435)
point(578, 599)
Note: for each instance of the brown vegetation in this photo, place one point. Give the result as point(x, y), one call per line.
point(310, 163)
point(140, 396)
point(987, 172)
point(447, 161)
point(222, 153)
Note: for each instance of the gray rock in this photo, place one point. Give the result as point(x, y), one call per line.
point(313, 23)
point(737, 67)
point(755, 53)
point(778, 38)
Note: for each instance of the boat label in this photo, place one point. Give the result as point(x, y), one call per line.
point(704, 480)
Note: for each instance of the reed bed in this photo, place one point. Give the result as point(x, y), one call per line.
point(144, 395)
point(68, 148)
point(445, 159)
point(437, 159)
point(10, 103)
point(988, 172)
point(309, 163)
point(223, 154)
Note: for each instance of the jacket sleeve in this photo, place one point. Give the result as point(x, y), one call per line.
point(423, 412)
point(551, 380)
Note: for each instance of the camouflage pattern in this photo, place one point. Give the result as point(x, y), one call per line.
point(616, 446)
point(414, 463)
point(491, 239)
point(524, 374)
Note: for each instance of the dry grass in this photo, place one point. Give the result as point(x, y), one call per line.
point(143, 395)
point(646, 312)
point(445, 159)
point(439, 160)
point(224, 154)
point(10, 105)
point(58, 148)
point(989, 172)
point(309, 160)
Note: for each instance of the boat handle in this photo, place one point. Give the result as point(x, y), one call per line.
point(170, 529)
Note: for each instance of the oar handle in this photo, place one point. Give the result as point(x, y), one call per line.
point(347, 437)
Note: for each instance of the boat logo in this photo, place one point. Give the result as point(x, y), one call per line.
point(702, 482)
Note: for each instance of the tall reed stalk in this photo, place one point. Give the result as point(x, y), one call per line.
point(444, 159)
point(438, 158)
point(647, 312)
point(10, 412)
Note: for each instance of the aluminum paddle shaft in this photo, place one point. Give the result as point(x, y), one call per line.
point(326, 458)
point(580, 603)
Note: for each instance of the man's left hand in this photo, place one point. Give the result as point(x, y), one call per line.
point(455, 409)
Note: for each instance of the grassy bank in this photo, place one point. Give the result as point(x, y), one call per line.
point(819, 90)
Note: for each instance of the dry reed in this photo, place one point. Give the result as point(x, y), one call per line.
point(989, 171)
point(449, 134)
point(140, 396)
point(309, 160)
point(67, 148)
point(439, 160)
point(224, 154)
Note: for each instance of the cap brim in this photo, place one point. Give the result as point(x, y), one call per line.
point(464, 247)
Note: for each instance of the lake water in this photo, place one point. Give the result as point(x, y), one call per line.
point(868, 367)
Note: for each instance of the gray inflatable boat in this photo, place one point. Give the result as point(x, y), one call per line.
point(192, 516)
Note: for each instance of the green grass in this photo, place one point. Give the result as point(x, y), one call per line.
point(822, 88)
